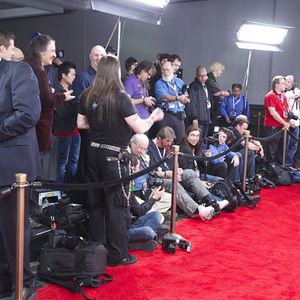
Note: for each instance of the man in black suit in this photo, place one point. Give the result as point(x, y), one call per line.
point(19, 112)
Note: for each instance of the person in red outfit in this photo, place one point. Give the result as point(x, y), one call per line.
point(39, 54)
point(276, 117)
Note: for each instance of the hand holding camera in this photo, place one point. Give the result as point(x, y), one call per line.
point(157, 193)
point(149, 101)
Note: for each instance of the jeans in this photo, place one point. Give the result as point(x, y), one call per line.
point(68, 148)
point(145, 227)
point(292, 147)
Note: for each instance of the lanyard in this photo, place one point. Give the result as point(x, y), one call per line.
point(173, 87)
point(161, 155)
point(235, 103)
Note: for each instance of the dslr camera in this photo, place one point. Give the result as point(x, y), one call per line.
point(154, 181)
point(171, 241)
point(291, 116)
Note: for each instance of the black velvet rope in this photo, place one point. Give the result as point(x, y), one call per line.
point(269, 138)
point(99, 185)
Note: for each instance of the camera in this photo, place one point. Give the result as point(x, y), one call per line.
point(60, 53)
point(291, 116)
point(171, 241)
point(212, 140)
point(154, 181)
point(185, 90)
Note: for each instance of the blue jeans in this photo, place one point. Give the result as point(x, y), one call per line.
point(68, 148)
point(145, 227)
point(292, 147)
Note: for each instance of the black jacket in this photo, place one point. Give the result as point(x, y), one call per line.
point(65, 115)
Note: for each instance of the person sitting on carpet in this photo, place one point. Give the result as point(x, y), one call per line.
point(138, 147)
point(146, 226)
point(225, 166)
point(189, 180)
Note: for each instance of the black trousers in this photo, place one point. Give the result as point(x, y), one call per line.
point(8, 224)
point(177, 125)
point(223, 169)
point(274, 148)
point(109, 214)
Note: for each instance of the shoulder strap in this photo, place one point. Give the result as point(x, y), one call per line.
point(72, 286)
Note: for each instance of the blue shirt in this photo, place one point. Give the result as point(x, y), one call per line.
point(232, 107)
point(139, 181)
point(83, 81)
point(136, 89)
point(173, 88)
point(219, 149)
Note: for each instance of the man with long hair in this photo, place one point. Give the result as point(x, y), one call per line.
point(39, 54)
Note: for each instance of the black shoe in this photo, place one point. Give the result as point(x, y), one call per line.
point(129, 260)
point(5, 289)
point(28, 293)
point(147, 246)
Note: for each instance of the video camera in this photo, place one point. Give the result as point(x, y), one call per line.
point(214, 139)
point(171, 241)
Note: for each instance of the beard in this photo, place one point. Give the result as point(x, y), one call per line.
point(167, 78)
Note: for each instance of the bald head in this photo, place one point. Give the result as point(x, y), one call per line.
point(139, 144)
point(95, 55)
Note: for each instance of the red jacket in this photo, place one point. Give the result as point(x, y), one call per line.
point(49, 102)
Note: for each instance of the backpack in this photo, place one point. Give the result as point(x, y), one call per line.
point(73, 262)
point(224, 189)
point(279, 175)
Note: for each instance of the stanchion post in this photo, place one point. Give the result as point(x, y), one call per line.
point(175, 150)
point(285, 132)
point(258, 123)
point(21, 184)
point(247, 137)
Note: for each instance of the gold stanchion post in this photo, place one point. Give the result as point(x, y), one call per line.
point(285, 132)
point(21, 184)
point(247, 137)
point(175, 150)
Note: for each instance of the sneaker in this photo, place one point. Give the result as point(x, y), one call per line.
point(147, 246)
point(223, 203)
point(128, 260)
point(205, 212)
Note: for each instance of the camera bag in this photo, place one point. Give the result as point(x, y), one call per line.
point(279, 175)
point(224, 189)
point(74, 263)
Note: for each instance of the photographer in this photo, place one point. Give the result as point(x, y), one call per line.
point(276, 117)
point(188, 180)
point(145, 226)
point(293, 98)
point(138, 147)
point(135, 86)
point(224, 166)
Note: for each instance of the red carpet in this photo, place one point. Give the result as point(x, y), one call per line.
point(249, 254)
